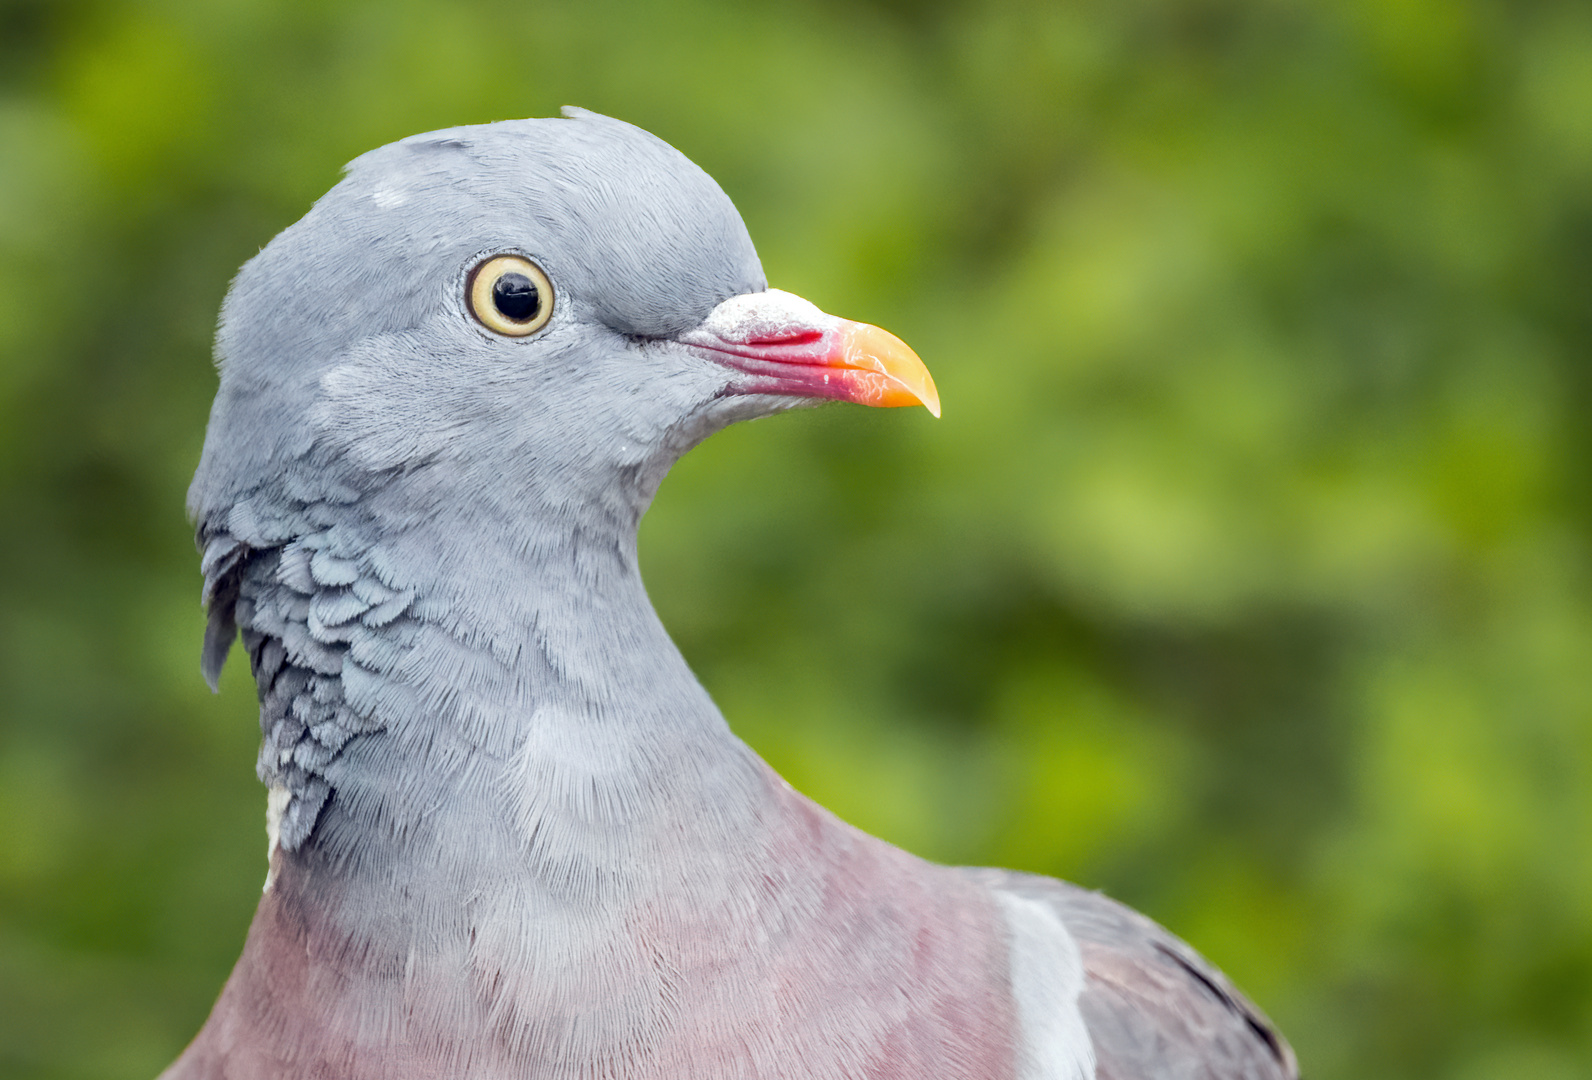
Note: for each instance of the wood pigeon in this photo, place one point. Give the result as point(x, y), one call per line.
point(510, 834)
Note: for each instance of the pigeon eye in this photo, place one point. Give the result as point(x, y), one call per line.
point(510, 295)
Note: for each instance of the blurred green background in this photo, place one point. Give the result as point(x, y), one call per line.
point(1246, 576)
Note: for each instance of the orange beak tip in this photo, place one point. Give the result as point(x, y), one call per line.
point(868, 348)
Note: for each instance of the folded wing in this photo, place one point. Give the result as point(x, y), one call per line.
point(1155, 1009)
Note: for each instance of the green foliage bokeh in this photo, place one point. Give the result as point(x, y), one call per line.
point(1246, 576)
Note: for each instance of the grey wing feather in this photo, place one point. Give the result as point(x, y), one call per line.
point(1155, 1009)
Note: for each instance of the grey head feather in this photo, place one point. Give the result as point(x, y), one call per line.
point(376, 460)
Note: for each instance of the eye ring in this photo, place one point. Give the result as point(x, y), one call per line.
point(510, 295)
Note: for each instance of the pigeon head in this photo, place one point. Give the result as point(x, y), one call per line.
point(447, 395)
point(543, 312)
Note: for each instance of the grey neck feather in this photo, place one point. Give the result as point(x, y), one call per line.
point(507, 716)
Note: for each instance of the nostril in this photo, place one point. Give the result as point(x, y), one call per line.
point(804, 336)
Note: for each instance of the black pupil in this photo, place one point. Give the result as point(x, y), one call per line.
point(516, 297)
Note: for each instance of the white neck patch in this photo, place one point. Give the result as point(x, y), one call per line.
point(276, 800)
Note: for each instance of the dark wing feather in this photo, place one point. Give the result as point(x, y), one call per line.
point(1155, 1008)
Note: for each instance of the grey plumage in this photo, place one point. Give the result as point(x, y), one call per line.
point(512, 836)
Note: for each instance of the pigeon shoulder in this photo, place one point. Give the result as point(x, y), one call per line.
point(1154, 1008)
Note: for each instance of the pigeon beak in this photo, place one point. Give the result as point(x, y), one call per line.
point(781, 344)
